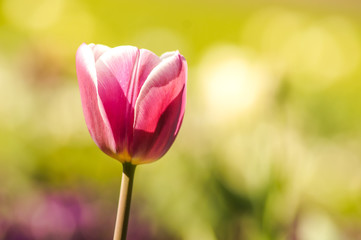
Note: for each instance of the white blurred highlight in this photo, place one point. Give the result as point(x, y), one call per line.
point(232, 84)
point(318, 226)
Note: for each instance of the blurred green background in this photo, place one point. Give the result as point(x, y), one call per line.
point(270, 144)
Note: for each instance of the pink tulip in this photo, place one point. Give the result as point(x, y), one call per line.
point(133, 101)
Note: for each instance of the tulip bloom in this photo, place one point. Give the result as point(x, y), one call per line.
point(133, 101)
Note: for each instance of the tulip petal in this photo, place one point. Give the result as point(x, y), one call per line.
point(147, 62)
point(150, 146)
point(97, 123)
point(98, 50)
point(115, 71)
point(160, 107)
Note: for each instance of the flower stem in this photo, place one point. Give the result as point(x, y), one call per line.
point(121, 224)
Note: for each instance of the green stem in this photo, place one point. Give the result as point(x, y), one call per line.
point(121, 224)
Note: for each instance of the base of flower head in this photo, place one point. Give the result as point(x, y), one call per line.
point(123, 157)
point(137, 161)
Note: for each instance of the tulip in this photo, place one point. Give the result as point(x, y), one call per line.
point(133, 103)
